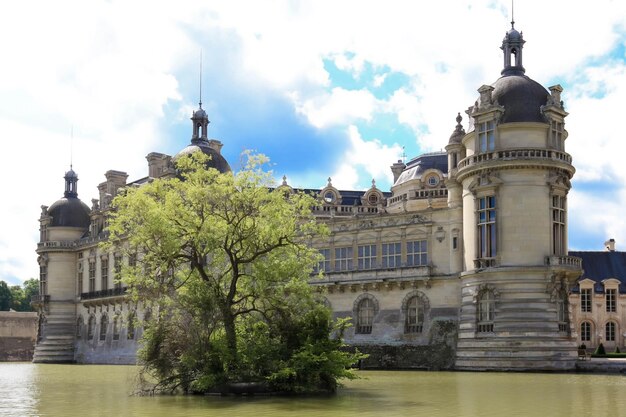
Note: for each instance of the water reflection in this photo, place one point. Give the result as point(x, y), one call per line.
point(66, 390)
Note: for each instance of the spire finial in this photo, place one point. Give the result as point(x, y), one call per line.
point(200, 102)
point(512, 14)
point(71, 146)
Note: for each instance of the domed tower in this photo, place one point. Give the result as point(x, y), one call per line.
point(514, 180)
point(199, 141)
point(61, 225)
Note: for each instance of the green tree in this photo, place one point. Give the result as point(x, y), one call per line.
point(225, 259)
point(5, 296)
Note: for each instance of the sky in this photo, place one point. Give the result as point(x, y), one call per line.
point(338, 89)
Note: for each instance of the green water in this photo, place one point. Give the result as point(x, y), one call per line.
point(72, 390)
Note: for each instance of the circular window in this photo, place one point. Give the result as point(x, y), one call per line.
point(433, 180)
point(373, 199)
point(329, 197)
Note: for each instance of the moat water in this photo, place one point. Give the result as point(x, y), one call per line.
point(71, 390)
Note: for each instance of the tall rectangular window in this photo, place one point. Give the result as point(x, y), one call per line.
point(392, 254)
point(416, 253)
point(104, 273)
point(556, 134)
point(610, 296)
point(80, 280)
point(367, 256)
point(324, 264)
point(487, 227)
point(558, 225)
point(343, 258)
point(117, 266)
point(92, 275)
point(43, 279)
point(585, 300)
point(487, 136)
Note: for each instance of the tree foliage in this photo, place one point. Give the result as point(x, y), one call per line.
point(225, 259)
point(18, 297)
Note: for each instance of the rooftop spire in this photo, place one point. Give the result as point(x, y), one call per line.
point(512, 14)
point(71, 186)
point(200, 101)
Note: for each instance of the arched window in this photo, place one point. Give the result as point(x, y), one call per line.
point(130, 329)
point(415, 310)
point(365, 316)
point(585, 331)
point(116, 327)
point(486, 311)
point(609, 331)
point(92, 327)
point(104, 323)
point(79, 327)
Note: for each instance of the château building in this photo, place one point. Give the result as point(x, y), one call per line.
point(462, 264)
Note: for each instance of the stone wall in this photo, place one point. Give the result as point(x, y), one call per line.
point(18, 332)
point(439, 354)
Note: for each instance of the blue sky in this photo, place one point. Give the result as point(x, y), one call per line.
point(324, 88)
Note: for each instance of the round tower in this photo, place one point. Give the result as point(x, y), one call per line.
point(514, 180)
point(61, 225)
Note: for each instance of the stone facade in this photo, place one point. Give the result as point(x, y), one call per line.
point(463, 264)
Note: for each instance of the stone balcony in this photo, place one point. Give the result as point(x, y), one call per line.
point(570, 262)
point(107, 296)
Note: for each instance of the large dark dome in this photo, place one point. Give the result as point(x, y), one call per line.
point(69, 212)
point(521, 97)
point(217, 160)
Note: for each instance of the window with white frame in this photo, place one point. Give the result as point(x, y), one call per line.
point(92, 275)
point(610, 296)
point(365, 316)
point(609, 331)
point(486, 312)
point(43, 278)
point(415, 310)
point(343, 258)
point(487, 239)
point(556, 134)
point(486, 136)
point(104, 273)
point(585, 300)
point(417, 253)
point(366, 256)
point(558, 225)
point(323, 265)
point(392, 255)
point(585, 331)
point(117, 267)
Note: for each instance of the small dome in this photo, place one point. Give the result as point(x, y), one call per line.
point(521, 97)
point(71, 174)
point(513, 35)
point(217, 161)
point(199, 114)
point(69, 212)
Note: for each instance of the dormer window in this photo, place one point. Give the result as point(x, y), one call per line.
point(329, 197)
point(373, 199)
point(556, 135)
point(487, 136)
point(432, 181)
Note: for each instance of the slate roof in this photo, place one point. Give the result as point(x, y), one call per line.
point(601, 265)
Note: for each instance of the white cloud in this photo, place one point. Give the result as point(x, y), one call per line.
point(340, 106)
point(372, 156)
point(110, 67)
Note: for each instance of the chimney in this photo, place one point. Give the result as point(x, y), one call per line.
point(610, 245)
